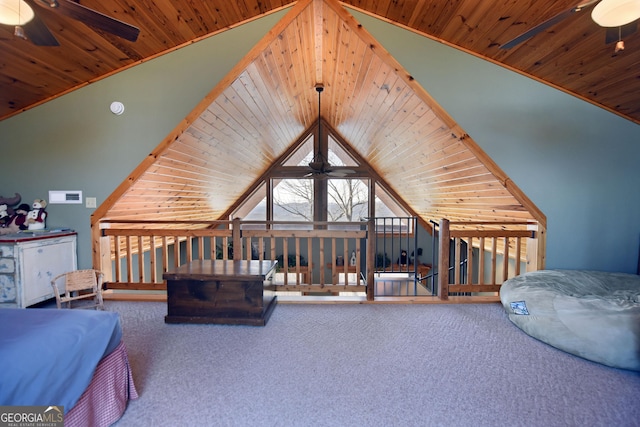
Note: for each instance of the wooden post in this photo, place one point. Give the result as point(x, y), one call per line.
point(536, 248)
point(96, 255)
point(237, 240)
point(371, 258)
point(101, 252)
point(505, 260)
point(542, 246)
point(443, 260)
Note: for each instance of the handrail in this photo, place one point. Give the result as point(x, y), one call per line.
point(135, 257)
point(475, 244)
point(134, 254)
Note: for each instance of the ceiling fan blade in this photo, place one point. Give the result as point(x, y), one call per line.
point(546, 24)
point(38, 33)
point(98, 20)
point(619, 33)
point(317, 174)
point(340, 173)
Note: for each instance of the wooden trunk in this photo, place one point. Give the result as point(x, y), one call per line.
point(220, 291)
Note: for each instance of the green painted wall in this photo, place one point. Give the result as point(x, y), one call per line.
point(578, 163)
point(75, 143)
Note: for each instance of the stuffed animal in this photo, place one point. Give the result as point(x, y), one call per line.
point(6, 209)
point(353, 260)
point(9, 229)
point(10, 201)
point(4, 215)
point(403, 259)
point(18, 220)
point(37, 215)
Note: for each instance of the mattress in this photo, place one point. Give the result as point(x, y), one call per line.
point(48, 356)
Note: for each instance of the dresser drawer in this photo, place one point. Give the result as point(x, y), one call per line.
point(6, 251)
point(8, 291)
point(7, 265)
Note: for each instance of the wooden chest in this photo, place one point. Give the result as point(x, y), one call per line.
point(220, 291)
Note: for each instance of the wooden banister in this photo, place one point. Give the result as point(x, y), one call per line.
point(497, 243)
point(134, 254)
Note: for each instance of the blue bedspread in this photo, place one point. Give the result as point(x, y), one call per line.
point(48, 356)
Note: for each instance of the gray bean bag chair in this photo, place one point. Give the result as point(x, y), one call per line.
point(592, 314)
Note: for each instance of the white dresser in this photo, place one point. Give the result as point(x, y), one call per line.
point(28, 262)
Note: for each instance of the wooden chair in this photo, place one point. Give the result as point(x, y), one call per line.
point(81, 286)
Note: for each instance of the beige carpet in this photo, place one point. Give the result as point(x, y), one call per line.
point(365, 365)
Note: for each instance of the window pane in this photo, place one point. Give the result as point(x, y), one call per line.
point(338, 156)
point(258, 213)
point(392, 217)
point(348, 200)
point(253, 208)
point(302, 155)
point(293, 200)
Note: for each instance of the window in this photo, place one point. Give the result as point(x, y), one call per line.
point(301, 194)
point(348, 199)
point(293, 200)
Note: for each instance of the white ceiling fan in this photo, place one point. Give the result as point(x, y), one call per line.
point(619, 17)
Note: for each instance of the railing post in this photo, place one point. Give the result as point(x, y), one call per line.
point(236, 237)
point(371, 258)
point(101, 252)
point(443, 260)
point(536, 248)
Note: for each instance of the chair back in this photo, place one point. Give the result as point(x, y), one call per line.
point(80, 280)
point(79, 285)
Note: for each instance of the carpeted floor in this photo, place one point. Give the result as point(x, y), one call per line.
point(365, 365)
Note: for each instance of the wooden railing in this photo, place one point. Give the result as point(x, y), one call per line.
point(486, 254)
point(133, 255)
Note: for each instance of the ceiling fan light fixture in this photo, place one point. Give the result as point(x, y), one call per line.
point(15, 12)
point(616, 13)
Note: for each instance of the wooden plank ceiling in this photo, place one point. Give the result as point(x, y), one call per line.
point(571, 55)
point(267, 103)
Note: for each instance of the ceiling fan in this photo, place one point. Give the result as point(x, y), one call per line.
point(319, 165)
point(619, 17)
point(28, 25)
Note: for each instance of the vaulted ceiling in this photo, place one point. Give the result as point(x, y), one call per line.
point(570, 55)
point(264, 107)
point(239, 129)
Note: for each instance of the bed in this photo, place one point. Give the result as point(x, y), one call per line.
point(70, 358)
